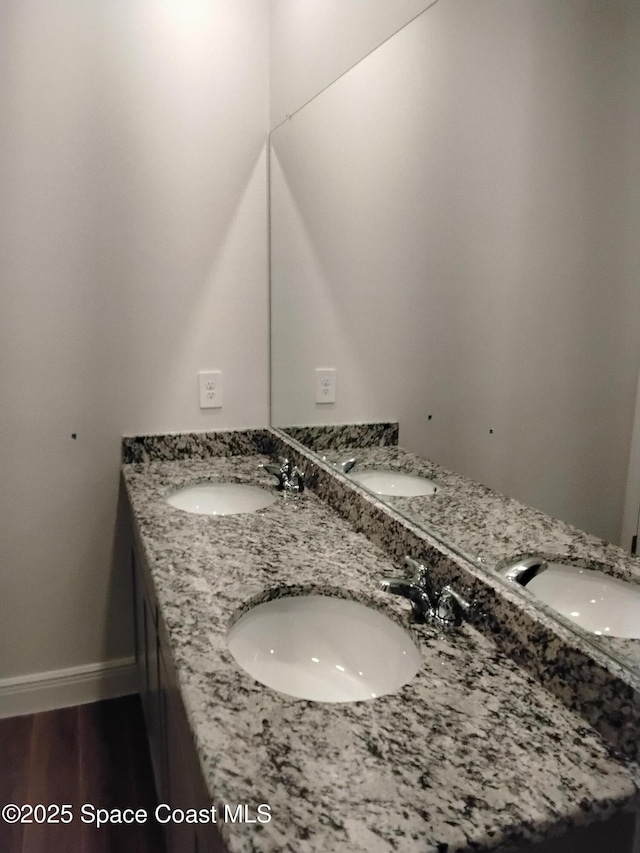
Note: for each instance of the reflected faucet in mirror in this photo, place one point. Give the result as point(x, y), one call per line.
point(345, 466)
point(524, 569)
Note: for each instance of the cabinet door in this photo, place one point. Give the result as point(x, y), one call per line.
point(139, 628)
point(180, 837)
point(176, 769)
point(148, 663)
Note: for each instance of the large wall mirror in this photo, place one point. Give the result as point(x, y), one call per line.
point(455, 229)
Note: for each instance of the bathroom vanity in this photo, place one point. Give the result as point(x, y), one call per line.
point(481, 750)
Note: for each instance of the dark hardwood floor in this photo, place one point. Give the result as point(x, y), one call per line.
point(92, 754)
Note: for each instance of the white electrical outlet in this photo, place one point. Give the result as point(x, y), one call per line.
point(325, 385)
point(210, 382)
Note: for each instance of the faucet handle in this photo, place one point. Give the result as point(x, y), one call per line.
point(419, 572)
point(452, 608)
point(296, 478)
point(286, 466)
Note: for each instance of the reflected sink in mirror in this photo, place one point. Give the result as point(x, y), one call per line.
point(599, 603)
point(323, 648)
point(221, 498)
point(394, 483)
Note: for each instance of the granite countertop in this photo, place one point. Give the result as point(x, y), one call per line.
point(492, 528)
point(472, 753)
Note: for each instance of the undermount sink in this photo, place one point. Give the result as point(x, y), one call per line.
point(597, 602)
point(221, 498)
point(323, 648)
point(398, 483)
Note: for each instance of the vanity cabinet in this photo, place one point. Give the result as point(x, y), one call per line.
point(176, 770)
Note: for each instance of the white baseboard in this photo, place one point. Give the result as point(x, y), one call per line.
point(62, 688)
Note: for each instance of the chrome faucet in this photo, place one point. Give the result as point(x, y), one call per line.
point(525, 569)
point(290, 477)
point(344, 466)
point(446, 607)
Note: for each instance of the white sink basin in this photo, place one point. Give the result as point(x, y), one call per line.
point(397, 483)
point(323, 648)
point(221, 498)
point(597, 602)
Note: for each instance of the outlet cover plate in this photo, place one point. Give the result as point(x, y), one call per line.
point(325, 385)
point(210, 384)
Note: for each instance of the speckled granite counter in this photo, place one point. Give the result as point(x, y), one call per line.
point(486, 524)
point(472, 754)
point(591, 680)
point(490, 527)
